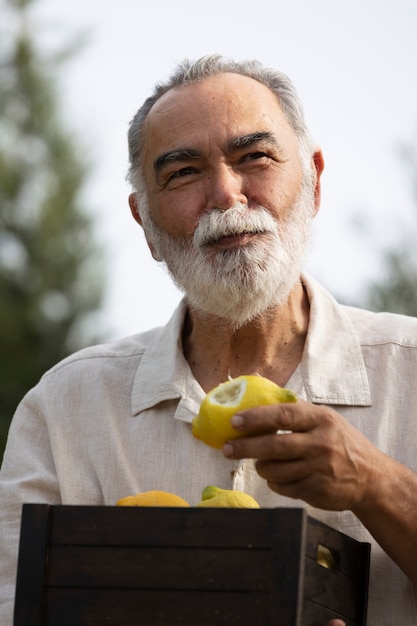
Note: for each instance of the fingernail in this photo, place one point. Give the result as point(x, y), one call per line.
point(228, 449)
point(236, 421)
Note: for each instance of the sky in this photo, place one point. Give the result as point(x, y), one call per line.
point(354, 65)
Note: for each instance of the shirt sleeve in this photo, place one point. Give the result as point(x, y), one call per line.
point(27, 475)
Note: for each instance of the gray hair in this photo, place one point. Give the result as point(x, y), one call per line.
point(189, 72)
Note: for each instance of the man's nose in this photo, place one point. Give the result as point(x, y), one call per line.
point(225, 187)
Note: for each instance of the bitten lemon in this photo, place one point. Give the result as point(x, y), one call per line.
point(152, 498)
point(215, 497)
point(212, 424)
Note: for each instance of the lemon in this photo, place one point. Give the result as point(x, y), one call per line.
point(212, 424)
point(152, 498)
point(226, 498)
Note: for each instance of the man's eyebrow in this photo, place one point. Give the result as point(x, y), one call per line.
point(185, 154)
point(246, 141)
point(178, 155)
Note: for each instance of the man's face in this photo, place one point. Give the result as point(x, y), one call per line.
point(214, 143)
point(228, 205)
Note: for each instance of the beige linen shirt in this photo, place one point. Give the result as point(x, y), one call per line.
point(113, 420)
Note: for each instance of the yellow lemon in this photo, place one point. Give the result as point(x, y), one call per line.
point(212, 424)
point(226, 498)
point(152, 498)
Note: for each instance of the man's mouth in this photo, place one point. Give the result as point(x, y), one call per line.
point(234, 240)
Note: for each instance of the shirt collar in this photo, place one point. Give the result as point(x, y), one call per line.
point(332, 369)
point(164, 374)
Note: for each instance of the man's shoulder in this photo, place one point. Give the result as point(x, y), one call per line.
point(383, 327)
point(370, 327)
point(118, 351)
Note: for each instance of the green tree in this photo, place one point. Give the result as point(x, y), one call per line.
point(50, 265)
point(396, 289)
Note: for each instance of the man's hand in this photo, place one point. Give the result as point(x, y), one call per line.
point(324, 460)
point(331, 465)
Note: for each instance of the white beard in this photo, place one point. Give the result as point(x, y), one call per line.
point(240, 284)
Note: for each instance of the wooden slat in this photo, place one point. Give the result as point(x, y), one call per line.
point(164, 568)
point(31, 565)
point(363, 583)
point(69, 607)
point(320, 615)
point(287, 553)
point(162, 526)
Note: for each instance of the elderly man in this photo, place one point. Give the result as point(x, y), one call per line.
point(226, 182)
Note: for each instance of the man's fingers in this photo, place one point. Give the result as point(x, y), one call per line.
point(273, 446)
point(297, 416)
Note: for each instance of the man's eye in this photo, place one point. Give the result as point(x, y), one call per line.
point(184, 171)
point(253, 156)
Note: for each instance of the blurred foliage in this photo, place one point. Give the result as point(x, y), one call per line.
point(396, 288)
point(50, 266)
point(398, 292)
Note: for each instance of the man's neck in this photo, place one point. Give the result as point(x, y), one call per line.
point(271, 345)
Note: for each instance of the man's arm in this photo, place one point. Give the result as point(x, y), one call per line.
point(332, 466)
point(27, 475)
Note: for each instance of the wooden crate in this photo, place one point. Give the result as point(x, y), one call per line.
point(133, 566)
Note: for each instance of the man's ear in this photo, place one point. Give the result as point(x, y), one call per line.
point(318, 162)
point(134, 208)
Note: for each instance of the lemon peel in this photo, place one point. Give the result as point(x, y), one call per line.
point(216, 497)
point(153, 498)
point(212, 424)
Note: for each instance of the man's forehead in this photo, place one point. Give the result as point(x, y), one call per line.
point(225, 88)
point(226, 105)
